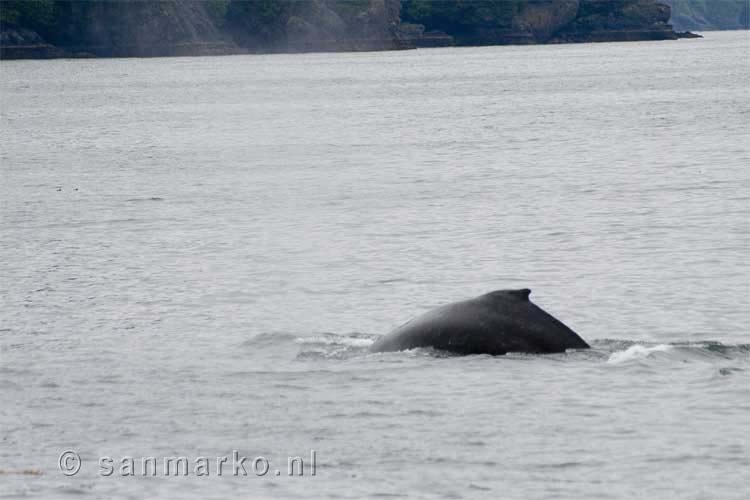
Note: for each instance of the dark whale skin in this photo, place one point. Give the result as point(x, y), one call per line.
point(496, 323)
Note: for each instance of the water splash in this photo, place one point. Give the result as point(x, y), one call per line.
point(636, 351)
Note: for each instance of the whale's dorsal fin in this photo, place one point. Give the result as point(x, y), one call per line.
point(521, 294)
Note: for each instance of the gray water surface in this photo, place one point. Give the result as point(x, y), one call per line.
point(196, 253)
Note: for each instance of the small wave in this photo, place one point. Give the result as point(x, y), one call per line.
point(336, 340)
point(636, 351)
point(312, 346)
point(269, 339)
point(151, 198)
point(334, 346)
point(621, 351)
point(473, 486)
point(729, 370)
point(22, 472)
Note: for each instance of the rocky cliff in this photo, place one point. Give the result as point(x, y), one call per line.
point(487, 22)
point(294, 25)
point(618, 20)
point(53, 28)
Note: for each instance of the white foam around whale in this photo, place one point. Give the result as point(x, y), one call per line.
point(636, 351)
point(337, 340)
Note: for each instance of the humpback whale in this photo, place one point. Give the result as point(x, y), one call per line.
point(495, 323)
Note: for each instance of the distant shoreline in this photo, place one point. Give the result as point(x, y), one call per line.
point(53, 29)
point(47, 51)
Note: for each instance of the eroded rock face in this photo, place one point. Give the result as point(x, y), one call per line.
point(595, 20)
point(545, 19)
point(377, 23)
point(21, 43)
point(618, 20)
point(20, 36)
point(319, 25)
point(482, 22)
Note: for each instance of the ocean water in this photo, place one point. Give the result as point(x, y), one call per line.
point(196, 253)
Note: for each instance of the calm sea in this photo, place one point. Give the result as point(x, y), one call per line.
point(196, 253)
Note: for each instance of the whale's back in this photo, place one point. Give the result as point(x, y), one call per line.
point(495, 323)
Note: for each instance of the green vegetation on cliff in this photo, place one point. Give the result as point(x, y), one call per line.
point(280, 24)
point(153, 27)
point(115, 23)
point(461, 16)
point(540, 21)
point(32, 14)
point(173, 27)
